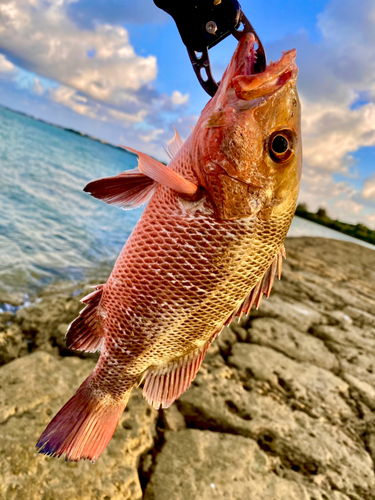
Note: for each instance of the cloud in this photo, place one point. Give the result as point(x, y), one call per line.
point(38, 88)
point(91, 67)
point(151, 136)
point(101, 63)
point(333, 131)
point(337, 90)
point(127, 118)
point(369, 188)
point(6, 66)
point(178, 99)
point(69, 98)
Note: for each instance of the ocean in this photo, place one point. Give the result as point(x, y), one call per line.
point(49, 228)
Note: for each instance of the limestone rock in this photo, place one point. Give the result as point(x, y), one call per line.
point(33, 389)
point(12, 343)
point(173, 420)
point(40, 321)
point(314, 387)
point(281, 408)
point(365, 391)
point(290, 341)
point(197, 464)
point(299, 314)
point(225, 340)
point(310, 446)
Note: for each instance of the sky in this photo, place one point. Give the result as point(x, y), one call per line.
point(118, 70)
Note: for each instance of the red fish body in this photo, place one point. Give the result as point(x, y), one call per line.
point(207, 246)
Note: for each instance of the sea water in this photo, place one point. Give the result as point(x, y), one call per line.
point(49, 228)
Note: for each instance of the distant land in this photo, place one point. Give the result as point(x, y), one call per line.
point(71, 130)
point(359, 231)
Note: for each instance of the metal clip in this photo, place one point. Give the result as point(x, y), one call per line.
point(203, 24)
point(201, 61)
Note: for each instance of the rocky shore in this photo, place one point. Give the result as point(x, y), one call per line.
point(282, 408)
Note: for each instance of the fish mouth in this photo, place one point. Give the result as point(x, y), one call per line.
point(247, 83)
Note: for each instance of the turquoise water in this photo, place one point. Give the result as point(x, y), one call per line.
point(49, 228)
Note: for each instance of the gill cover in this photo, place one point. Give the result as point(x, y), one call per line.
point(239, 151)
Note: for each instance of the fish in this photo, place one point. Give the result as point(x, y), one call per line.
point(206, 249)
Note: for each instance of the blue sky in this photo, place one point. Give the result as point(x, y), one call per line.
point(118, 70)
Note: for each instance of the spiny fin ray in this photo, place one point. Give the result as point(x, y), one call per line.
point(165, 383)
point(85, 333)
point(263, 287)
point(174, 145)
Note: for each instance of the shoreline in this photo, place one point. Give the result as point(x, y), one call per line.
point(283, 403)
point(357, 231)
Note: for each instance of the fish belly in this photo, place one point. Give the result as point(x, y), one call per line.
point(179, 277)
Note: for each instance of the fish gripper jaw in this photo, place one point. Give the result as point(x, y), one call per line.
point(202, 25)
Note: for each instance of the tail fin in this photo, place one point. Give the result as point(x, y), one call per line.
point(83, 427)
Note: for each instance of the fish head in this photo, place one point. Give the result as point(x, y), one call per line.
point(246, 146)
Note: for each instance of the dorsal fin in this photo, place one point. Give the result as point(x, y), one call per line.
point(129, 190)
point(162, 174)
point(85, 333)
point(174, 145)
point(165, 383)
point(263, 287)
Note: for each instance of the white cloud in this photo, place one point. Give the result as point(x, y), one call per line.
point(99, 74)
point(337, 89)
point(151, 136)
point(369, 188)
point(332, 132)
point(127, 118)
point(349, 205)
point(178, 99)
point(49, 43)
point(38, 88)
point(69, 97)
point(6, 66)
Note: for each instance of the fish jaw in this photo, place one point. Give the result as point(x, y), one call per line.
point(230, 146)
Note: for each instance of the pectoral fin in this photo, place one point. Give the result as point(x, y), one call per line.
point(129, 190)
point(162, 174)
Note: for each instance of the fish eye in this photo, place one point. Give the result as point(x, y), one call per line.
point(281, 145)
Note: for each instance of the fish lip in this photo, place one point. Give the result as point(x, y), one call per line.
point(245, 56)
point(276, 76)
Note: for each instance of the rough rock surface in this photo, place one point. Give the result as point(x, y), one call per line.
point(33, 389)
point(282, 408)
point(212, 465)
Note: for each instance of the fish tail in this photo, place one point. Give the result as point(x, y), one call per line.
point(84, 426)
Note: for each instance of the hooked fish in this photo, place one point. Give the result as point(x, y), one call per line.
point(206, 248)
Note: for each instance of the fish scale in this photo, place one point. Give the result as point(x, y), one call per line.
point(206, 247)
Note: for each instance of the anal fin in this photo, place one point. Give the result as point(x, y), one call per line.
point(165, 383)
point(85, 333)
